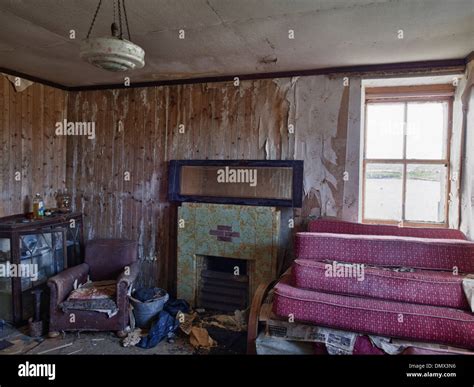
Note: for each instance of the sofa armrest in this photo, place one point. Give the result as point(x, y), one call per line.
point(63, 283)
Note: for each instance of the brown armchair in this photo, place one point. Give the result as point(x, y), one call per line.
point(105, 259)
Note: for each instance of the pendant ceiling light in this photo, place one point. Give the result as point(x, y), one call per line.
point(113, 53)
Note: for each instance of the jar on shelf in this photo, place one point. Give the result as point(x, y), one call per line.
point(63, 201)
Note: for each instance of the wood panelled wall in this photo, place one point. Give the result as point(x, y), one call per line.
point(32, 157)
point(119, 178)
point(137, 132)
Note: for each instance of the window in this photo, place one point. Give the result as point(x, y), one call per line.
point(406, 155)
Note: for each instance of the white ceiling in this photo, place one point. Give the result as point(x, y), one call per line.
point(229, 37)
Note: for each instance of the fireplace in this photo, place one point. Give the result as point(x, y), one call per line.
point(229, 217)
point(224, 252)
point(223, 283)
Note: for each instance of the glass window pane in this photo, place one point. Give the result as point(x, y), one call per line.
point(426, 130)
point(385, 130)
point(426, 193)
point(383, 191)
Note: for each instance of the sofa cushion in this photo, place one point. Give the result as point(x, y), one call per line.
point(92, 296)
point(343, 227)
point(415, 286)
point(94, 290)
point(101, 305)
point(379, 317)
point(391, 251)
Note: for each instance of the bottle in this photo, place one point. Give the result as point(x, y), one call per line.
point(38, 207)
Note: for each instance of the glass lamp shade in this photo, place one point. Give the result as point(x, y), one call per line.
point(112, 54)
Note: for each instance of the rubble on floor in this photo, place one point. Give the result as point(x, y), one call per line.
point(227, 333)
point(92, 343)
point(206, 332)
point(132, 338)
point(199, 338)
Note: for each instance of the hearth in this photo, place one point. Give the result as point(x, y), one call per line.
point(223, 283)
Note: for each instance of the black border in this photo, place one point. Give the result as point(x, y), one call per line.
point(174, 178)
point(269, 370)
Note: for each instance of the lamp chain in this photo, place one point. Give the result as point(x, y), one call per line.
point(120, 18)
point(93, 19)
point(119, 5)
point(126, 20)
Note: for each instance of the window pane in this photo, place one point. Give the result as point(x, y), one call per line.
point(426, 193)
point(426, 130)
point(383, 191)
point(385, 131)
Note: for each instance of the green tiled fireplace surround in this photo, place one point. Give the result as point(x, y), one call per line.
point(229, 231)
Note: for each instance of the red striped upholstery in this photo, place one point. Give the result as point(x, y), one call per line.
point(420, 286)
point(372, 316)
point(392, 251)
point(343, 227)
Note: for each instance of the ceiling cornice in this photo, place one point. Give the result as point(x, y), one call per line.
point(446, 66)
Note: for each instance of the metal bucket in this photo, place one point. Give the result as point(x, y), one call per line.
point(145, 312)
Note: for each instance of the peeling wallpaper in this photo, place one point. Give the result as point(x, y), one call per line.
point(467, 184)
point(319, 111)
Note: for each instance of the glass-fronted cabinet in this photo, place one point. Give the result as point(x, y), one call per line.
point(31, 251)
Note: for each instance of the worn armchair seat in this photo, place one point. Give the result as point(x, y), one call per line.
point(105, 259)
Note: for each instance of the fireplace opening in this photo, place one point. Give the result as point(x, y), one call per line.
point(223, 284)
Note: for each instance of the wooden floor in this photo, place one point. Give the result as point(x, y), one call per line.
point(89, 343)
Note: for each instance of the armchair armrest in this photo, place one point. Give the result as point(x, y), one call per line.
point(128, 276)
point(124, 281)
point(62, 284)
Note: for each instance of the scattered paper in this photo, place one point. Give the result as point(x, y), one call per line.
point(468, 287)
point(336, 341)
point(186, 321)
point(133, 338)
point(199, 338)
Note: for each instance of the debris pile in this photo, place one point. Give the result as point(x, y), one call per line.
point(132, 338)
point(206, 331)
point(218, 332)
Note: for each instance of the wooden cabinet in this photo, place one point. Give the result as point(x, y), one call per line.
point(31, 251)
